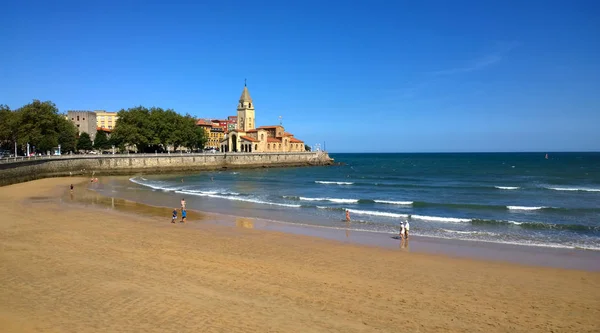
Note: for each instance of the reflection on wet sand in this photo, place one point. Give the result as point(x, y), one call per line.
point(404, 245)
point(243, 222)
point(83, 195)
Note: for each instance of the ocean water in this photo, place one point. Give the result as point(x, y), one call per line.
point(516, 198)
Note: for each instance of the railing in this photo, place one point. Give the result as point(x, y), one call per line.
point(19, 159)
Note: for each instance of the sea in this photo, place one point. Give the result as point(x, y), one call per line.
point(515, 198)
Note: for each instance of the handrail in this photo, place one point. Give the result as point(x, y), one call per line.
point(20, 159)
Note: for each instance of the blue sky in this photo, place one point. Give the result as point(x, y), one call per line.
point(383, 76)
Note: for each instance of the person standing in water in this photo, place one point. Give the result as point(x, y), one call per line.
point(402, 231)
point(406, 229)
point(347, 215)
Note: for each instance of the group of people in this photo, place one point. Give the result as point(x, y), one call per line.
point(183, 212)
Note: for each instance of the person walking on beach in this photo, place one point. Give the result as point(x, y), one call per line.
point(182, 203)
point(174, 215)
point(71, 188)
point(406, 229)
point(347, 215)
point(183, 215)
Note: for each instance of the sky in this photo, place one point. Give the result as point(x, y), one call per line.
point(355, 76)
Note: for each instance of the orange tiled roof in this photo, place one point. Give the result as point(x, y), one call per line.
point(202, 122)
point(294, 140)
point(252, 131)
point(287, 134)
point(269, 139)
point(104, 129)
point(271, 126)
point(251, 139)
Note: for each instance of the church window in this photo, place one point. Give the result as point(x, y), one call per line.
point(77, 118)
point(262, 136)
point(269, 146)
point(256, 147)
point(249, 105)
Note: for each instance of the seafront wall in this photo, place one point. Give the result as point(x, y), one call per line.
point(26, 170)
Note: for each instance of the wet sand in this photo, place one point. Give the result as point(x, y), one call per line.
point(83, 268)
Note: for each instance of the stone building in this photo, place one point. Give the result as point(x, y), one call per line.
point(247, 138)
point(85, 121)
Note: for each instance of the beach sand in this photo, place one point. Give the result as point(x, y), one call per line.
point(74, 268)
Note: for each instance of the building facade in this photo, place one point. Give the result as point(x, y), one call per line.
point(247, 138)
point(85, 121)
point(106, 119)
point(216, 136)
point(231, 123)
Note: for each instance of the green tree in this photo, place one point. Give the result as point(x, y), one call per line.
point(101, 141)
point(67, 135)
point(84, 143)
point(134, 128)
point(8, 127)
point(307, 148)
point(38, 125)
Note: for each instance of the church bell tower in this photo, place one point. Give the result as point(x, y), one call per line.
point(245, 111)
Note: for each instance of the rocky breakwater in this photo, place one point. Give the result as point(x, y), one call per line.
point(71, 165)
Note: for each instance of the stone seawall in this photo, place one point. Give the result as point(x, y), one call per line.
point(16, 172)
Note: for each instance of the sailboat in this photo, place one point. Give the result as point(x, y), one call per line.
point(546, 156)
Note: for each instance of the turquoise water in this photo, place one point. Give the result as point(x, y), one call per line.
point(520, 198)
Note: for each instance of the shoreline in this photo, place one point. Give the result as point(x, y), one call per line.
point(534, 255)
point(72, 267)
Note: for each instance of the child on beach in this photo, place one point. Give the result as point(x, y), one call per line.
point(182, 203)
point(174, 215)
point(183, 215)
point(402, 231)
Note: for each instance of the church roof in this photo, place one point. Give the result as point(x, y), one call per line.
point(245, 95)
point(294, 140)
point(271, 126)
point(270, 139)
point(251, 139)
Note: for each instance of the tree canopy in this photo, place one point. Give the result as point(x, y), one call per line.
point(156, 129)
point(39, 124)
point(101, 141)
point(84, 142)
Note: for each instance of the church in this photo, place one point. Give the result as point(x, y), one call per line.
point(247, 138)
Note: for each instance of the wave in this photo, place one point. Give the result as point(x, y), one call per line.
point(525, 208)
point(507, 187)
point(471, 232)
point(367, 212)
point(335, 200)
point(403, 203)
point(153, 186)
point(332, 182)
point(583, 189)
point(238, 198)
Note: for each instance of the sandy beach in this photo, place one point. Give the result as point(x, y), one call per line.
point(72, 268)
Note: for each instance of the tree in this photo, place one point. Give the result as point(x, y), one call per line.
point(84, 143)
point(101, 140)
point(38, 125)
point(7, 127)
point(307, 148)
point(67, 135)
point(134, 127)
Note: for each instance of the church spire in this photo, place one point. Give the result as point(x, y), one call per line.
point(245, 94)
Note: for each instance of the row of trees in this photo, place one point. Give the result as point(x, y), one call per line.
point(42, 126)
point(155, 129)
point(39, 124)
